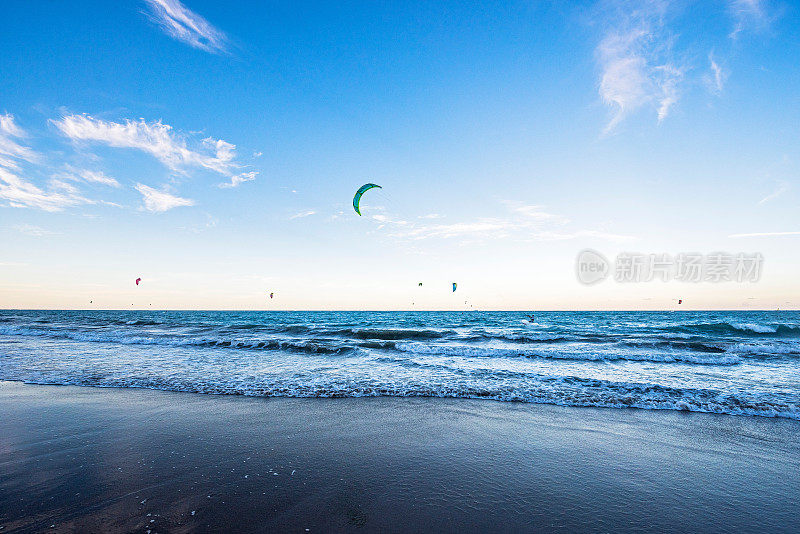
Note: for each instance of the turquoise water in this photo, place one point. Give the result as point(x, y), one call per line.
point(742, 363)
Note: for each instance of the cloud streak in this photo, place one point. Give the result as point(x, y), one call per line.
point(88, 176)
point(97, 177)
point(183, 24)
point(154, 138)
point(160, 201)
point(21, 193)
point(10, 149)
point(716, 76)
point(239, 179)
point(783, 187)
point(302, 214)
point(29, 229)
point(522, 223)
point(765, 234)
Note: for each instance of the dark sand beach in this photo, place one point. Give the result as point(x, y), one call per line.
point(76, 459)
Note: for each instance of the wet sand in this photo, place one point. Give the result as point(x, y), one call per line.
point(78, 459)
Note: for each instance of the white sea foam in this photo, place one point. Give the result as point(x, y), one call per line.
point(570, 353)
point(753, 327)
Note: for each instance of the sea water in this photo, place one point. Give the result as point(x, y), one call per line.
point(741, 363)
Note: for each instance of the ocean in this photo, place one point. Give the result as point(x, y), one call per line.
point(738, 363)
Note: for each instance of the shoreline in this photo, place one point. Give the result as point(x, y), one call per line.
point(480, 398)
point(87, 458)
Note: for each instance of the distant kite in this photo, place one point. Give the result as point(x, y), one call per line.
point(361, 190)
point(454, 287)
point(420, 284)
point(138, 280)
point(680, 301)
point(271, 295)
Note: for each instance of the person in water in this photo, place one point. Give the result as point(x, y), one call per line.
point(532, 318)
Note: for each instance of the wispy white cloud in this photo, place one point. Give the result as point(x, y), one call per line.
point(88, 176)
point(8, 126)
point(431, 216)
point(21, 193)
point(521, 222)
point(20, 165)
point(29, 229)
point(566, 236)
point(639, 66)
point(239, 179)
point(748, 14)
point(160, 201)
point(636, 63)
point(783, 187)
point(623, 85)
point(716, 76)
point(11, 150)
point(765, 234)
point(182, 24)
point(155, 138)
point(534, 212)
point(98, 177)
point(668, 78)
point(300, 215)
point(61, 185)
point(480, 228)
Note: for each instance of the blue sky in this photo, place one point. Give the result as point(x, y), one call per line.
point(213, 149)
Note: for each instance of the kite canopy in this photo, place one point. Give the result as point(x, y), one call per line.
point(454, 286)
point(138, 280)
point(271, 295)
point(361, 190)
point(420, 284)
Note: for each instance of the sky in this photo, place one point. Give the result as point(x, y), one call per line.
point(213, 149)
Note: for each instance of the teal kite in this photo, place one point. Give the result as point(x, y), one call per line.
point(454, 287)
point(361, 190)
